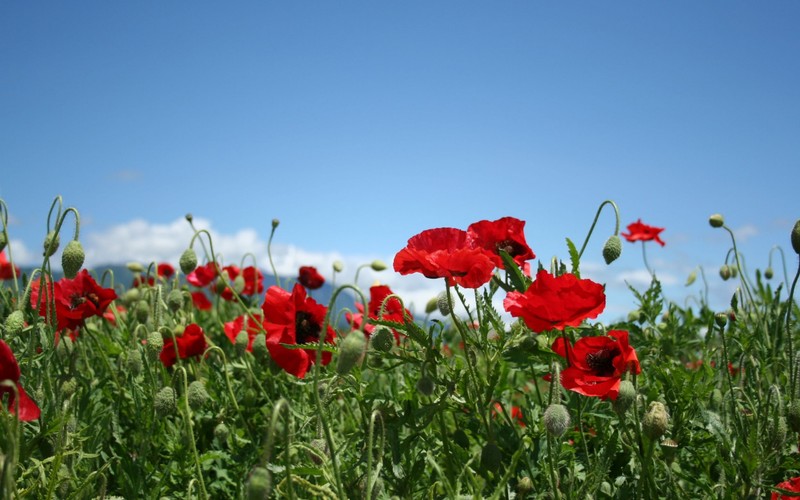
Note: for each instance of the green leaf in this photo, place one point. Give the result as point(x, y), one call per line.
point(518, 280)
point(574, 258)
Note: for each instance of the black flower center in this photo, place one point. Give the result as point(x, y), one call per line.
point(602, 362)
point(92, 297)
point(511, 247)
point(305, 328)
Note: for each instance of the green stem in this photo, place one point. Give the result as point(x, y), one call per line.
point(789, 340)
point(644, 257)
point(187, 415)
point(594, 223)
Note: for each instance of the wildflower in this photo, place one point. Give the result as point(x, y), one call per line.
point(202, 275)
point(234, 328)
point(655, 421)
point(310, 278)
point(638, 231)
point(252, 277)
point(7, 271)
point(294, 319)
point(597, 364)
point(191, 343)
point(9, 370)
point(200, 301)
point(76, 299)
point(556, 302)
point(165, 270)
point(445, 252)
point(792, 485)
point(516, 413)
point(502, 234)
point(380, 308)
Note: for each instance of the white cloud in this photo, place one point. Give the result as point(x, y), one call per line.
point(745, 232)
point(22, 255)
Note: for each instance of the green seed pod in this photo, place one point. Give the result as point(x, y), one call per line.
point(612, 249)
point(796, 237)
point(716, 220)
point(72, 259)
point(769, 273)
point(51, 242)
point(260, 350)
point(259, 484)
point(351, 351)
point(655, 421)
point(378, 265)
point(425, 385)
point(164, 402)
point(556, 419)
point(725, 272)
point(197, 395)
point(155, 343)
point(382, 339)
point(15, 323)
point(443, 304)
point(491, 457)
point(625, 397)
point(721, 319)
point(188, 261)
point(175, 300)
point(133, 361)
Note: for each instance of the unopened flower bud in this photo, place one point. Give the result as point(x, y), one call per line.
point(378, 265)
point(655, 421)
point(133, 362)
point(444, 304)
point(491, 457)
point(238, 284)
point(432, 305)
point(175, 300)
point(612, 249)
point(3, 241)
point(259, 484)
point(164, 402)
point(734, 271)
point(351, 351)
point(155, 343)
point(15, 322)
point(725, 272)
point(240, 345)
point(796, 237)
point(691, 279)
point(64, 347)
point(197, 395)
point(69, 387)
point(721, 319)
point(425, 385)
point(556, 419)
point(142, 311)
point(72, 259)
point(188, 261)
point(716, 400)
point(135, 267)
point(221, 432)
point(275, 223)
point(769, 273)
point(51, 242)
point(793, 415)
point(382, 339)
point(776, 430)
point(716, 220)
point(524, 486)
point(260, 347)
point(625, 397)
point(338, 266)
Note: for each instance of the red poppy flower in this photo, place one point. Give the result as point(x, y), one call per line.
point(638, 231)
point(200, 301)
point(202, 275)
point(111, 317)
point(516, 413)
point(556, 302)
point(76, 299)
point(233, 328)
point(310, 278)
point(392, 311)
point(9, 370)
point(191, 343)
point(294, 319)
point(502, 234)
point(792, 485)
point(253, 281)
point(6, 269)
point(165, 270)
point(597, 364)
point(445, 252)
point(141, 279)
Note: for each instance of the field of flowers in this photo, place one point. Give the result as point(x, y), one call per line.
point(208, 379)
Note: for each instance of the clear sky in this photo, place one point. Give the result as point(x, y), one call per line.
point(360, 124)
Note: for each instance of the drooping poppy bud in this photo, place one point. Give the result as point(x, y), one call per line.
point(188, 261)
point(716, 220)
point(556, 419)
point(51, 242)
point(72, 259)
point(612, 249)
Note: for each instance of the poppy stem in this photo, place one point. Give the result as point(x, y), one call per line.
point(789, 343)
point(594, 223)
point(644, 257)
point(4, 220)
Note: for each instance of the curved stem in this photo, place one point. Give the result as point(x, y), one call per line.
point(276, 413)
point(188, 419)
point(789, 346)
point(644, 257)
point(594, 223)
point(269, 253)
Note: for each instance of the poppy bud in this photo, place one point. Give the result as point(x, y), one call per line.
point(15, 322)
point(556, 419)
point(72, 259)
point(625, 397)
point(776, 430)
point(242, 339)
point(796, 237)
point(716, 220)
point(351, 352)
point(69, 387)
point(259, 484)
point(133, 361)
point(175, 300)
point(142, 311)
point(338, 266)
point(432, 305)
point(725, 272)
point(491, 457)
point(135, 267)
point(378, 265)
point(692, 277)
point(612, 249)
point(188, 261)
point(51, 242)
point(197, 395)
point(734, 271)
point(793, 415)
point(524, 486)
point(260, 347)
point(238, 284)
point(221, 432)
point(655, 421)
point(769, 273)
point(3, 241)
point(382, 339)
point(164, 402)
point(425, 385)
point(65, 347)
point(275, 223)
point(155, 343)
point(716, 400)
point(721, 319)
point(443, 304)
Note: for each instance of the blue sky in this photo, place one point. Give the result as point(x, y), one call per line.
point(360, 124)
